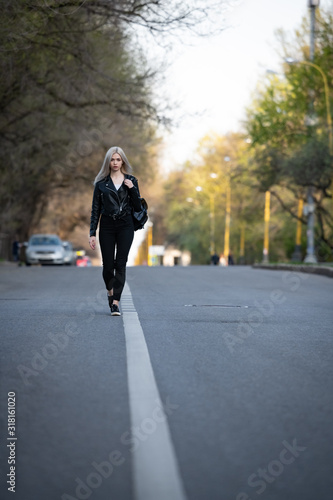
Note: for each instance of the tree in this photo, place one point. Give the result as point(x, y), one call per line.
point(288, 127)
point(188, 212)
point(72, 75)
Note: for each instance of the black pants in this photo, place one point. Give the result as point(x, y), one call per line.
point(115, 238)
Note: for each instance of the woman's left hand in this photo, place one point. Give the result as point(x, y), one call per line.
point(128, 183)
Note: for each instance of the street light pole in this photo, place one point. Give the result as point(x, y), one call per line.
point(212, 175)
point(242, 245)
point(212, 224)
point(265, 259)
point(313, 4)
point(310, 211)
point(227, 223)
point(227, 215)
point(310, 250)
point(149, 243)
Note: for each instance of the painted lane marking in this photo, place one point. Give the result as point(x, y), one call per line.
point(214, 305)
point(155, 467)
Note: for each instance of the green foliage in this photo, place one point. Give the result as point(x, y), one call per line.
point(189, 212)
point(309, 164)
point(288, 125)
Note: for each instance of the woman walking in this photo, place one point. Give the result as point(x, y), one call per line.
point(116, 193)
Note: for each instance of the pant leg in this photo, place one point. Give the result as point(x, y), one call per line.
point(124, 239)
point(107, 240)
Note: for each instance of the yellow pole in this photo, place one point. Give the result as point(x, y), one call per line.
point(242, 244)
point(227, 223)
point(212, 224)
point(299, 223)
point(150, 242)
point(267, 217)
point(297, 255)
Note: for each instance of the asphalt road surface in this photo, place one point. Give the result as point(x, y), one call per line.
point(214, 384)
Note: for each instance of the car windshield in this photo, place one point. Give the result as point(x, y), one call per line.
point(45, 240)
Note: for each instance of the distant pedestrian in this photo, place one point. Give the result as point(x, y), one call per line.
point(230, 260)
point(223, 262)
point(214, 259)
point(22, 256)
point(16, 250)
point(116, 193)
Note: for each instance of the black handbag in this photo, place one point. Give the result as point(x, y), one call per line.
point(140, 218)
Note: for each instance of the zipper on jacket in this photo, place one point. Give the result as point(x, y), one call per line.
point(120, 204)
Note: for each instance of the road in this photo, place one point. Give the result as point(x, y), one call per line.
point(215, 384)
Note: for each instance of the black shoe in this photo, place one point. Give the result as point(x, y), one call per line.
point(110, 299)
point(115, 310)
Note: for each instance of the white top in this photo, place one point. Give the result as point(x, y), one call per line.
point(117, 186)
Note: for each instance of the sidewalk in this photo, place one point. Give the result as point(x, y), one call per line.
point(8, 263)
point(322, 269)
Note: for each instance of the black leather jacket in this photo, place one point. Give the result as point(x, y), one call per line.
point(108, 201)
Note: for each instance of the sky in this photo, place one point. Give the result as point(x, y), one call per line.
point(216, 78)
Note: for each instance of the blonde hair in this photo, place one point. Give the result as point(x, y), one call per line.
point(105, 170)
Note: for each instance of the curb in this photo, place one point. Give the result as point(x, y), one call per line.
point(322, 270)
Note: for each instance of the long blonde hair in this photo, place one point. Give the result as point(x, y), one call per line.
point(105, 170)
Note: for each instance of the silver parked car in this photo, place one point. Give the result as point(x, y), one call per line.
point(45, 249)
point(70, 255)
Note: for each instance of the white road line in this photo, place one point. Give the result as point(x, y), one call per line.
point(156, 473)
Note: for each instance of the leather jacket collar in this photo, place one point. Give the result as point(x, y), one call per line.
point(109, 181)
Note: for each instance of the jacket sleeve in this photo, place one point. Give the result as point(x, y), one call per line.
point(95, 211)
point(135, 196)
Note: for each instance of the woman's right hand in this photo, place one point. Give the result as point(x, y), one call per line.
point(92, 242)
